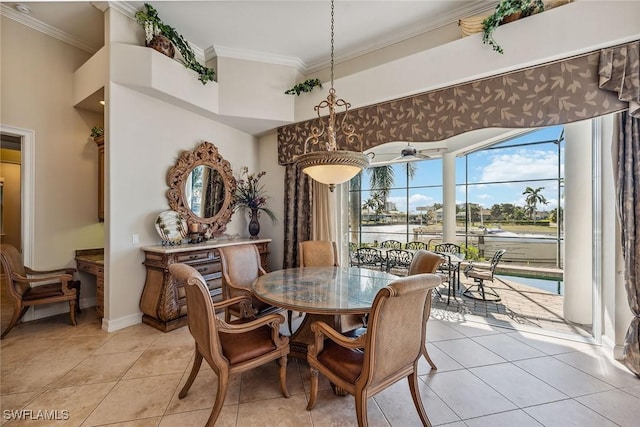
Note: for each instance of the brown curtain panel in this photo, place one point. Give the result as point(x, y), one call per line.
point(619, 73)
point(297, 213)
point(628, 209)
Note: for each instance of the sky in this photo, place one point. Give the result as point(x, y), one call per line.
point(488, 171)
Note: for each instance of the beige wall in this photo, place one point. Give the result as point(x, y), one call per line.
point(36, 85)
point(145, 137)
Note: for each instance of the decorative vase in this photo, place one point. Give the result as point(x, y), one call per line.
point(162, 45)
point(254, 224)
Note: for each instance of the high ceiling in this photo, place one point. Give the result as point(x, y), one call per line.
point(296, 29)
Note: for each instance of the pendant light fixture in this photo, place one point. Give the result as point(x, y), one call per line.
point(332, 166)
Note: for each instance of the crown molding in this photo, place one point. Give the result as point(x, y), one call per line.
point(477, 8)
point(123, 7)
point(252, 55)
point(37, 25)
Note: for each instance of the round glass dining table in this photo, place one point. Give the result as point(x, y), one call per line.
point(323, 293)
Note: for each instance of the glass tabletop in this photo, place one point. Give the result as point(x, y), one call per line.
point(322, 290)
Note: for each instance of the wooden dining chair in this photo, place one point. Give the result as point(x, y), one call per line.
point(427, 262)
point(240, 268)
point(229, 348)
point(324, 253)
point(318, 253)
point(58, 286)
point(387, 353)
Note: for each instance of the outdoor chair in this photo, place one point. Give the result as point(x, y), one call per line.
point(414, 246)
point(229, 348)
point(20, 278)
point(398, 261)
point(452, 269)
point(240, 268)
point(426, 262)
point(368, 257)
point(388, 352)
point(391, 244)
point(479, 275)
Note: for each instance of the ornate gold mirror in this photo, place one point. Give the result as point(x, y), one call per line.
point(201, 188)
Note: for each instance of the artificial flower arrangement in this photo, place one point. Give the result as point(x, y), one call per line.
point(250, 194)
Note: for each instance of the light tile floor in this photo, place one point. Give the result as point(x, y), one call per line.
point(487, 376)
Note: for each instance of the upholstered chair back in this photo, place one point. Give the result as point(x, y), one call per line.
point(425, 262)
point(12, 263)
point(318, 253)
point(202, 317)
point(396, 329)
point(240, 264)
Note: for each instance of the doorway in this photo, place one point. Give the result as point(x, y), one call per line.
point(16, 169)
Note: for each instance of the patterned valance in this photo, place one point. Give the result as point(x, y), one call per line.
point(620, 72)
point(559, 92)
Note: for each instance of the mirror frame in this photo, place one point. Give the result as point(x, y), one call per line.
point(205, 154)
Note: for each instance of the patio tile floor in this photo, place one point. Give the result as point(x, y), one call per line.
point(520, 306)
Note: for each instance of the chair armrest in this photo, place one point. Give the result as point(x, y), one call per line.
point(58, 271)
point(244, 301)
point(231, 301)
point(64, 279)
point(322, 330)
point(272, 320)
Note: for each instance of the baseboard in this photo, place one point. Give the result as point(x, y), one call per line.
point(48, 310)
point(614, 351)
point(121, 322)
point(88, 302)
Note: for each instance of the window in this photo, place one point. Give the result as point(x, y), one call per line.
point(508, 194)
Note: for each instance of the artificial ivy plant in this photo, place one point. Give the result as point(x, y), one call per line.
point(305, 86)
point(153, 25)
point(505, 9)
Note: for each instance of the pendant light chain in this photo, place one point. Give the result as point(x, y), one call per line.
point(332, 7)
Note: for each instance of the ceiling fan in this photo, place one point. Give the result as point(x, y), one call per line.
point(410, 153)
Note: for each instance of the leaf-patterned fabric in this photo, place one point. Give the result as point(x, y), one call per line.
point(620, 72)
point(560, 92)
point(628, 208)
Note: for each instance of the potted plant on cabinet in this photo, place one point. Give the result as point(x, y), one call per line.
point(250, 195)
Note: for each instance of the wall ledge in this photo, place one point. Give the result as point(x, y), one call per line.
point(154, 74)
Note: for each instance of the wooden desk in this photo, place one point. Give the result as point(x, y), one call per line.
point(92, 261)
point(324, 293)
point(163, 300)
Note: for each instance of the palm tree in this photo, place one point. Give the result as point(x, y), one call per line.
point(382, 178)
point(533, 198)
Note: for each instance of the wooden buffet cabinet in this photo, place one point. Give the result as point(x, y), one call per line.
point(163, 300)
